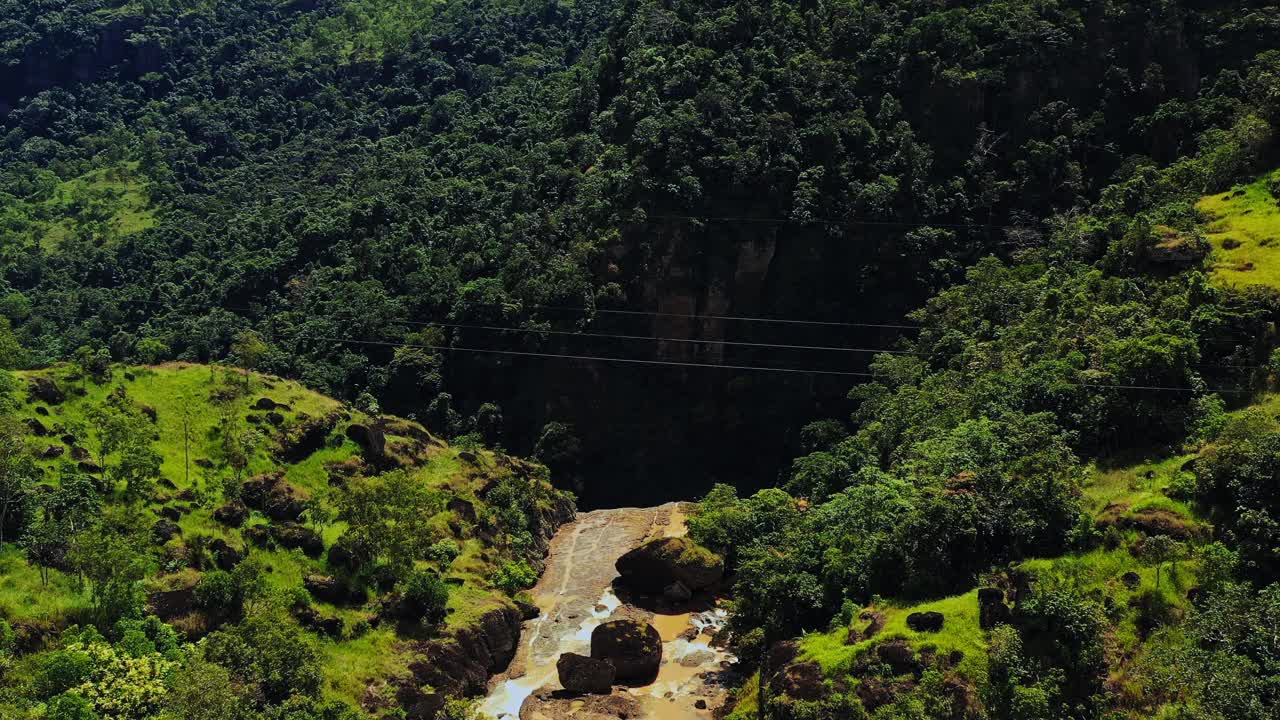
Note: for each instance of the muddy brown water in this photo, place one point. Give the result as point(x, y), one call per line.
point(575, 595)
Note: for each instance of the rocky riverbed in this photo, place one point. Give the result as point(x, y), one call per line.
point(576, 594)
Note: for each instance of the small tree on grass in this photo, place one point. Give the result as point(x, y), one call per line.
point(1161, 549)
point(18, 472)
point(424, 595)
point(187, 414)
point(46, 544)
point(249, 348)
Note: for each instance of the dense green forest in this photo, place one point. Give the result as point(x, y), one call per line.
point(334, 175)
point(285, 288)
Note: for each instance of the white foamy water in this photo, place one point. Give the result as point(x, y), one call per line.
point(505, 699)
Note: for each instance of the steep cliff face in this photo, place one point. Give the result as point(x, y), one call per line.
point(121, 47)
point(460, 664)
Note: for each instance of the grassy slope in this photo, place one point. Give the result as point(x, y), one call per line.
point(105, 204)
point(366, 28)
point(352, 663)
point(1247, 216)
point(1136, 484)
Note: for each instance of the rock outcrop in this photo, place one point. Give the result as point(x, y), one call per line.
point(45, 390)
point(634, 648)
point(232, 514)
point(660, 563)
point(991, 608)
point(306, 437)
point(462, 663)
point(294, 536)
point(582, 674)
point(274, 497)
point(372, 442)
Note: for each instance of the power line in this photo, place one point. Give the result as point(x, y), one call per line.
point(742, 318)
point(593, 358)
point(605, 311)
point(826, 221)
point(521, 353)
point(728, 342)
point(612, 336)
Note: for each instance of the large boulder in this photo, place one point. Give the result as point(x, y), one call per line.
point(45, 390)
point(164, 531)
point(372, 442)
point(274, 497)
point(225, 556)
point(326, 589)
point(232, 514)
point(991, 608)
point(294, 536)
point(37, 428)
point(635, 649)
point(582, 674)
point(656, 565)
point(926, 621)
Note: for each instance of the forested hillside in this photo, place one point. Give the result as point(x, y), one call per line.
point(961, 319)
point(324, 558)
point(350, 178)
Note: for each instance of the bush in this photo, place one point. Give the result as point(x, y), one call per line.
point(61, 670)
point(219, 594)
point(515, 576)
point(424, 595)
point(70, 706)
point(444, 552)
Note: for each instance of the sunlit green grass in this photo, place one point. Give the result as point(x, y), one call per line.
point(176, 391)
point(1248, 217)
point(354, 664)
point(960, 631)
point(24, 597)
point(115, 194)
point(1139, 485)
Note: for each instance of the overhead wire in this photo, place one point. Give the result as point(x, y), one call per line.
point(593, 358)
point(819, 348)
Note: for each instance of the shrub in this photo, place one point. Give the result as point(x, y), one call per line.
point(444, 552)
point(515, 576)
point(424, 595)
point(218, 593)
point(61, 670)
point(70, 706)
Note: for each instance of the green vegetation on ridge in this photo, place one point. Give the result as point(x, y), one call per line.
point(235, 499)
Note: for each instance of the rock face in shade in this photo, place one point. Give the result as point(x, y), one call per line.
point(45, 390)
point(658, 564)
point(991, 608)
point(634, 648)
point(582, 674)
point(926, 621)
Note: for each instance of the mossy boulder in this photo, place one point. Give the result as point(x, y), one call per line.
point(582, 674)
point(45, 390)
point(294, 536)
point(657, 564)
point(634, 648)
point(274, 497)
point(232, 514)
